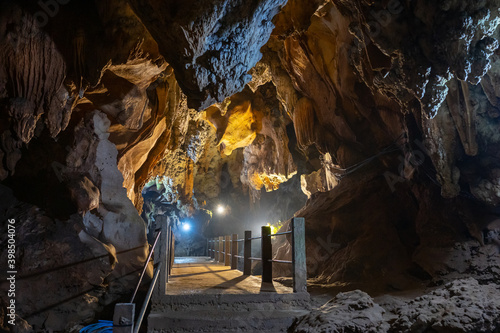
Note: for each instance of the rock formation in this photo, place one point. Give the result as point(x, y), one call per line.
point(460, 306)
point(377, 121)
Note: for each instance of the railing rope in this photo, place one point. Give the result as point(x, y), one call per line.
point(145, 266)
point(163, 250)
point(225, 250)
point(146, 301)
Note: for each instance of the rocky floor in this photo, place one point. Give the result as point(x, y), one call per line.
point(463, 305)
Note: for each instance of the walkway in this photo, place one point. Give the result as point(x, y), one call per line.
point(201, 275)
point(204, 296)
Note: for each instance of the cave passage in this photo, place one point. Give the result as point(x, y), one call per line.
point(201, 275)
point(375, 121)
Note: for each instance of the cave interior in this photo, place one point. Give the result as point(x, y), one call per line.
point(377, 121)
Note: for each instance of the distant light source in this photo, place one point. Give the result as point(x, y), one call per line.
point(273, 228)
point(221, 209)
point(186, 226)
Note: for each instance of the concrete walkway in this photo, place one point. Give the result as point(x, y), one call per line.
point(201, 275)
point(203, 296)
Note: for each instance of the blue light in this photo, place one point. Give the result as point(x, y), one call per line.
point(186, 226)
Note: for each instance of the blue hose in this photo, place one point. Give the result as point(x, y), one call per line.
point(103, 326)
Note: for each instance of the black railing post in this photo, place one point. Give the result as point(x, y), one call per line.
point(216, 249)
point(221, 249)
point(227, 251)
point(267, 255)
point(160, 259)
point(234, 251)
point(209, 248)
point(123, 318)
point(247, 249)
point(213, 248)
point(169, 247)
point(299, 268)
point(171, 251)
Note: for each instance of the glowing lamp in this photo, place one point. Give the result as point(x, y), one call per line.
point(186, 226)
point(221, 209)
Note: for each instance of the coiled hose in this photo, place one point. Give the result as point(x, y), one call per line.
point(103, 326)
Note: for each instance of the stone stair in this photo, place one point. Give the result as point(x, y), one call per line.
point(264, 312)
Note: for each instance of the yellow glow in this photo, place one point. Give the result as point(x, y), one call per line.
point(273, 228)
point(242, 127)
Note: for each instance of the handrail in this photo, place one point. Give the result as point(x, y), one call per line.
point(162, 262)
point(81, 262)
point(281, 233)
point(146, 300)
point(224, 249)
point(281, 261)
point(145, 266)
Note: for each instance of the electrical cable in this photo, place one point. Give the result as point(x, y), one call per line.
point(393, 147)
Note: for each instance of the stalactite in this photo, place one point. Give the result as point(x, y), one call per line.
point(463, 114)
point(304, 122)
point(79, 58)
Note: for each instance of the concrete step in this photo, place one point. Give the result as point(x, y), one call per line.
point(213, 320)
point(241, 302)
point(264, 312)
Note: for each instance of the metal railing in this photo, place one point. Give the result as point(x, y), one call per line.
point(224, 249)
point(124, 312)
